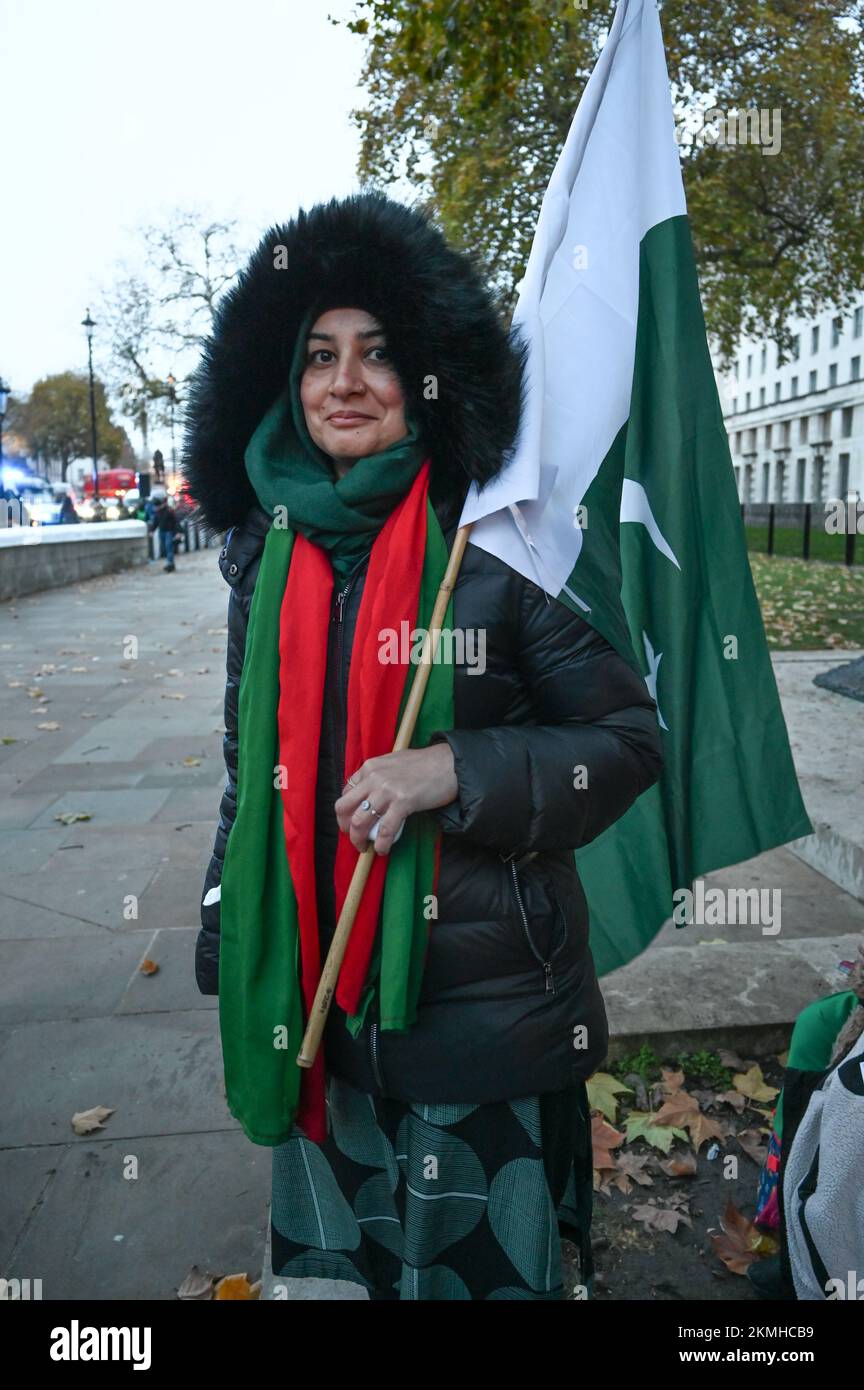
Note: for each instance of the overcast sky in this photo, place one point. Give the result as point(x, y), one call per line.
point(115, 112)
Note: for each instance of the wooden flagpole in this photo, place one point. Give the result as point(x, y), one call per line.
point(333, 964)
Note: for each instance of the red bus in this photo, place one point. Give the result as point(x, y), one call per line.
point(112, 483)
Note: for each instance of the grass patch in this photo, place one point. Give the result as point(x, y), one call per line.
point(808, 604)
point(788, 541)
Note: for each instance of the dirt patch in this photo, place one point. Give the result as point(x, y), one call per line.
point(635, 1261)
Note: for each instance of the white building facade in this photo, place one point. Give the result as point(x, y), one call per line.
point(796, 432)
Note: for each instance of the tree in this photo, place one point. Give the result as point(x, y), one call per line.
point(470, 102)
point(55, 421)
point(128, 310)
point(158, 314)
point(194, 259)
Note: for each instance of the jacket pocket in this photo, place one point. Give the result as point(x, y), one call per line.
point(541, 919)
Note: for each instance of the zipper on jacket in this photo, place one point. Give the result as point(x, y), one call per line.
point(341, 596)
point(547, 965)
point(373, 1049)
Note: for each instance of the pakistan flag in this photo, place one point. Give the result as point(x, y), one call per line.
point(620, 498)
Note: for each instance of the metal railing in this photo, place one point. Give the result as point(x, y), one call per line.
point(809, 530)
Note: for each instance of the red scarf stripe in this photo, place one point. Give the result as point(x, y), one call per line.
point(391, 595)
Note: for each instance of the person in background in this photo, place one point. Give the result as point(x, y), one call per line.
point(165, 524)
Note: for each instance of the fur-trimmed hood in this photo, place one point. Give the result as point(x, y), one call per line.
point(461, 372)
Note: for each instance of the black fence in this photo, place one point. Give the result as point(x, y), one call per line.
point(808, 530)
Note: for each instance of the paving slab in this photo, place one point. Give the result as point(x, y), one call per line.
point(173, 987)
point(48, 978)
point(83, 894)
point(161, 1073)
point(128, 1219)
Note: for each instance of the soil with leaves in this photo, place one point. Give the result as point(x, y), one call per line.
point(678, 1147)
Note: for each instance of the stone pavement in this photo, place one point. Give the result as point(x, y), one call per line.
point(170, 1181)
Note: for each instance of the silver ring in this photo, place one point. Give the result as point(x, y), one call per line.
point(367, 806)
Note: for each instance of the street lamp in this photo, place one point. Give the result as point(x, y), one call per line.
point(4, 397)
point(171, 382)
point(88, 325)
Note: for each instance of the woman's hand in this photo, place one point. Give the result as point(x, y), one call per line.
point(415, 779)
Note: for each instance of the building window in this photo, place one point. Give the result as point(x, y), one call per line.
point(793, 388)
point(735, 369)
point(738, 442)
point(800, 477)
point(734, 405)
point(751, 446)
point(812, 386)
point(746, 400)
point(858, 321)
point(767, 436)
point(787, 433)
point(763, 358)
point(832, 374)
point(825, 425)
point(748, 483)
point(855, 369)
point(846, 421)
point(802, 429)
point(818, 480)
point(842, 475)
point(814, 339)
point(766, 480)
point(836, 330)
point(761, 395)
point(779, 481)
point(749, 364)
point(796, 347)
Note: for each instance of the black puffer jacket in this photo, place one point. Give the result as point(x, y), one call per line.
point(510, 1004)
point(509, 978)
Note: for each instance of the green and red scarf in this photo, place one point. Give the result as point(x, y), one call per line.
point(270, 962)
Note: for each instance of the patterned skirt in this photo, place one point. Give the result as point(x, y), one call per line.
point(418, 1201)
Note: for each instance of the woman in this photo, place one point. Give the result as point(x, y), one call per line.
point(357, 381)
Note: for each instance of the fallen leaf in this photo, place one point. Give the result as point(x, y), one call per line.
point(752, 1145)
point(85, 1121)
point(603, 1139)
point(677, 1109)
point(35, 693)
point(736, 1243)
point(657, 1218)
point(602, 1090)
point(630, 1168)
point(6, 739)
point(173, 695)
point(48, 724)
point(702, 1128)
point(643, 1125)
point(197, 1285)
point(733, 1098)
point(148, 966)
point(753, 1084)
point(671, 1080)
point(680, 1166)
point(236, 1286)
point(191, 762)
point(70, 817)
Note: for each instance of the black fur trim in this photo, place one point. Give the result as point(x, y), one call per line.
point(367, 252)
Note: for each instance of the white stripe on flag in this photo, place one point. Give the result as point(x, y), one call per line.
point(617, 176)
